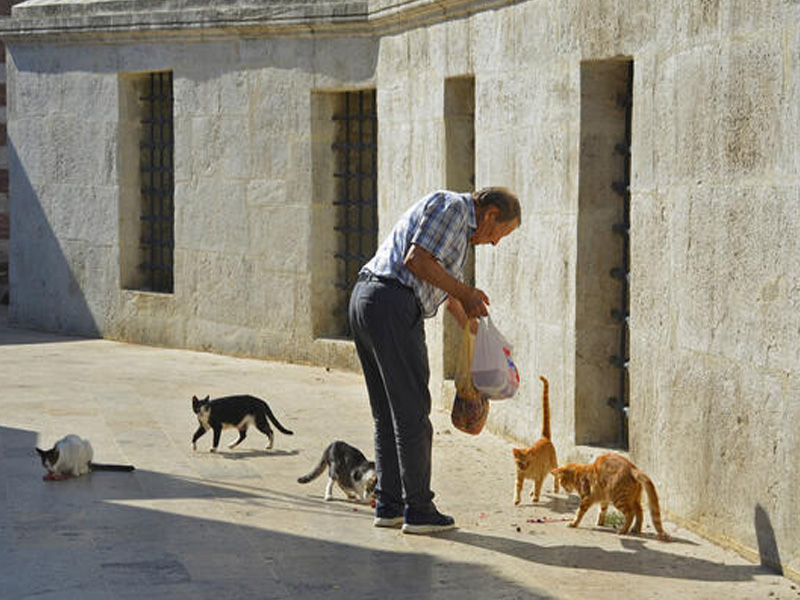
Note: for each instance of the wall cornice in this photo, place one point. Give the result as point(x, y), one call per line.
point(122, 20)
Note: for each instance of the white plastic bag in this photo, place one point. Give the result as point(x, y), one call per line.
point(493, 370)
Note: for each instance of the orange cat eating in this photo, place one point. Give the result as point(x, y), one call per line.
point(538, 460)
point(612, 479)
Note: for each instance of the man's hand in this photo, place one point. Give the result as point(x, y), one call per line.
point(460, 315)
point(424, 265)
point(474, 302)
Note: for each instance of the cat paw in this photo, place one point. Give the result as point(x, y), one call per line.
point(194, 447)
point(516, 501)
point(328, 498)
point(572, 524)
point(664, 537)
point(213, 450)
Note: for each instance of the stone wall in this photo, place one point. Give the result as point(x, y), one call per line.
point(5, 11)
point(714, 271)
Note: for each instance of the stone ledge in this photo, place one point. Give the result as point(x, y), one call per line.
point(108, 20)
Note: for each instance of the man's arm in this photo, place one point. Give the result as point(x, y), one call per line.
point(424, 265)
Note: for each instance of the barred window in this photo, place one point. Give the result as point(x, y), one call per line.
point(156, 160)
point(603, 268)
point(356, 149)
point(147, 190)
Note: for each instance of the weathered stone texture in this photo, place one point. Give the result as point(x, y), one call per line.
point(715, 273)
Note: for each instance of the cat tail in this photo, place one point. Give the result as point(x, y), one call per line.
point(318, 470)
point(545, 407)
point(652, 501)
point(275, 421)
point(101, 467)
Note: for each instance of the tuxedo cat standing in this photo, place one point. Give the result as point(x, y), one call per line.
point(348, 468)
point(71, 456)
point(237, 412)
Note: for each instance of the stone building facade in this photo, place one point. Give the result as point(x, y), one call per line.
point(210, 175)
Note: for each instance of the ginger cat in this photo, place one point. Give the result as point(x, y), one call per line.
point(540, 459)
point(613, 479)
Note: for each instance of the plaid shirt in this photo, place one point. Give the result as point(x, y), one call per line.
point(442, 223)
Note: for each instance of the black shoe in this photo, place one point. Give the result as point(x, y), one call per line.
point(388, 515)
point(426, 522)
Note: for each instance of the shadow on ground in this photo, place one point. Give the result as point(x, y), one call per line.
point(640, 556)
point(11, 336)
point(84, 538)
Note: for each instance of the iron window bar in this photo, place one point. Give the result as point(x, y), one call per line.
point(157, 190)
point(621, 314)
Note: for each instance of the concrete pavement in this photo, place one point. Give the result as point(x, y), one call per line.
point(237, 524)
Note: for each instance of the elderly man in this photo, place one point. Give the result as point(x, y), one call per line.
point(416, 268)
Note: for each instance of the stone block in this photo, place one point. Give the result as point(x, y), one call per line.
point(496, 50)
point(218, 153)
point(281, 53)
point(696, 21)
point(750, 93)
point(789, 112)
point(393, 55)
point(734, 265)
point(746, 18)
point(211, 215)
point(274, 232)
point(36, 94)
point(651, 256)
point(195, 97)
point(85, 213)
point(266, 192)
point(599, 27)
point(234, 93)
point(88, 95)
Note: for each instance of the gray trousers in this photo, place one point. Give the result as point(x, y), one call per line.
point(389, 335)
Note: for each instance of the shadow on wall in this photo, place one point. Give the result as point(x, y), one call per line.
point(342, 59)
point(47, 275)
point(767, 545)
point(88, 536)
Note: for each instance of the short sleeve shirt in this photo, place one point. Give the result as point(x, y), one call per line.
point(442, 224)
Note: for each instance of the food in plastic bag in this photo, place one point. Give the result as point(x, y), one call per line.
point(470, 416)
point(493, 370)
point(470, 407)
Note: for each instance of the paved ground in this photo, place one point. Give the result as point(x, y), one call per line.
point(238, 525)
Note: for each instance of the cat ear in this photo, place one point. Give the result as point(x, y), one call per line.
point(194, 399)
point(555, 472)
point(207, 398)
point(39, 451)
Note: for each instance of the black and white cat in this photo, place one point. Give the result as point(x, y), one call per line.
point(237, 412)
point(71, 456)
point(348, 468)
